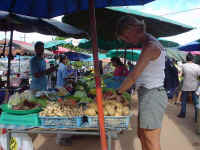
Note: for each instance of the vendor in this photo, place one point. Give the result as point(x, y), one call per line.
point(38, 69)
point(148, 75)
point(119, 74)
point(120, 69)
point(64, 71)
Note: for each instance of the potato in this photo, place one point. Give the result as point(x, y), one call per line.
point(90, 112)
point(117, 114)
point(126, 111)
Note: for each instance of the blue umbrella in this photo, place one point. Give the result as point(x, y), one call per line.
point(194, 46)
point(53, 8)
point(74, 56)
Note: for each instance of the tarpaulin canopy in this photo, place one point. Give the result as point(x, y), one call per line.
point(54, 43)
point(194, 46)
point(28, 24)
point(53, 8)
point(106, 23)
point(29, 47)
point(75, 56)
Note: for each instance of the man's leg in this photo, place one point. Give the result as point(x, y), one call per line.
point(141, 136)
point(184, 97)
point(151, 138)
point(195, 102)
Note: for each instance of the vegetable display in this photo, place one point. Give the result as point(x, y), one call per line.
point(59, 109)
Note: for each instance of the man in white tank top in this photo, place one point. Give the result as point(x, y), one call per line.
point(149, 74)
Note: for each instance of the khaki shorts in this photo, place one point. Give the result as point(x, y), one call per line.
point(152, 106)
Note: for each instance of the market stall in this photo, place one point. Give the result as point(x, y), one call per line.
point(67, 110)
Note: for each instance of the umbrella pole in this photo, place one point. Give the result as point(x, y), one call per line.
point(97, 74)
point(19, 64)
point(125, 53)
point(9, 59)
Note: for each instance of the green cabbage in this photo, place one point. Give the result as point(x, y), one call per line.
point(126, 96)
point(86, 99)
point(80, 94)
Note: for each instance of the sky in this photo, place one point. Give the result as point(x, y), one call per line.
point(184, 11)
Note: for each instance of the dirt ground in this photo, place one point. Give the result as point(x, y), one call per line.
point(177, 134)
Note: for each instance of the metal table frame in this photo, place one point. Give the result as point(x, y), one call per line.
point(111, 134)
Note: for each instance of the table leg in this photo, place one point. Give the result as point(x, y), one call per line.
point(8, 139)
point(109, 135)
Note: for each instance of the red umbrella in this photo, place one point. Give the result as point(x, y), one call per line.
point(61, 50)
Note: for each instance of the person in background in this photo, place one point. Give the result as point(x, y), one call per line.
point(101, 67)
point(62, 74)
point(130, 66)
point(119, 74)
point(120, 69)
point(179, 88)
point(52, 78)
point(191, 72)
point(107, 68)
point(38, 69)
point(148, 75)
point(171, 81)
point(198, 110)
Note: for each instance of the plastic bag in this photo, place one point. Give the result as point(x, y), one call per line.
point(19, 141)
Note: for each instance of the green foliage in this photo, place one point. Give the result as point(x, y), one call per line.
point(126, 96)
point(60, 38)
point(72, 47)
point(75, 48)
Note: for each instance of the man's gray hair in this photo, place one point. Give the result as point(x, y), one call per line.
point(127, 21)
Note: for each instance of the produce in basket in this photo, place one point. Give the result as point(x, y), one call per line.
point(17, 98)
point(80, 94)
point(111, 108)
point(60, 110)
point(26, 105)
point(62, 92)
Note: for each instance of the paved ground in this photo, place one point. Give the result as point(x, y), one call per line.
point(177, 134)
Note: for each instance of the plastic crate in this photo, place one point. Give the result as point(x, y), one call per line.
point(110, 122)
point(61, 122)
point(20, 120)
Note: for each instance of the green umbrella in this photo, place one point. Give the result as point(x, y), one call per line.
point(53, 44)
point(132, 55)
point(105, 45)
point(168, 44)
point(107, 18)
point(176, 54)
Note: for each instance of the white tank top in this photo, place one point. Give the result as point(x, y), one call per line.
point(153, 74)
